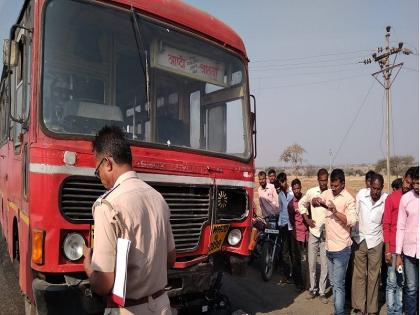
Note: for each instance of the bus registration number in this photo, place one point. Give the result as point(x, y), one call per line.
point(217, 237)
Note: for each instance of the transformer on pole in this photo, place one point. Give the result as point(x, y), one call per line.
point(382, 57)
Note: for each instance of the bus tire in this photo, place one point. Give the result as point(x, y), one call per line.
point(15, 249)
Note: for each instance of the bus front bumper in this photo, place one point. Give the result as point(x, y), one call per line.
point(66, 299)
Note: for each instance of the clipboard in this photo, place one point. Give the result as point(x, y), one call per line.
point(120, 282)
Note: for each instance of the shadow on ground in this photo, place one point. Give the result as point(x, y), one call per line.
point(253, 295)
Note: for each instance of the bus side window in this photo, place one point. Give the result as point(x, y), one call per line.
point(17, 105)
point(21, 89)
point(4, 119)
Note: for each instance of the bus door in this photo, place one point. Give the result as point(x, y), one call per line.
point(18, 96)
point(19, 120)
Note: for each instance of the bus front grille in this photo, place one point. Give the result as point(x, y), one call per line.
point(77, 196)
point(189, 212)
point(189, 206)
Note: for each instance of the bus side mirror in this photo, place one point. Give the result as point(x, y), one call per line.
point(254, 123)
point(10, 53)
point(253, 120)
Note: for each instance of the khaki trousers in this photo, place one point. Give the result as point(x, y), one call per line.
point(159, 306)
point(365, 281)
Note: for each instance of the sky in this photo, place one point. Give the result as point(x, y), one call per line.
point(310, 86)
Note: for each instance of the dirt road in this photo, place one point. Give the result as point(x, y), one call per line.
point(254, 296)
point(11, 300)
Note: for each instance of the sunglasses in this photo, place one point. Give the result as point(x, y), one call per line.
point(97, 169)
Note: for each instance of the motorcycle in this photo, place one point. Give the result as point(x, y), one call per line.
point(268, 245)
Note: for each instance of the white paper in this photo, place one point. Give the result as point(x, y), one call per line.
point(123, 247)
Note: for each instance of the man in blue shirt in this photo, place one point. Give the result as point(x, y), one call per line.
point(285, 196)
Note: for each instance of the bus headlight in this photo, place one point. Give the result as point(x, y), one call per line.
point(73, 246)
point(234, 237)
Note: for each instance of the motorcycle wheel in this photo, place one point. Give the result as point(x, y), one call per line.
point(267, 263)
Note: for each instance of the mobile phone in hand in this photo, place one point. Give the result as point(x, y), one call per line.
point(323, 205)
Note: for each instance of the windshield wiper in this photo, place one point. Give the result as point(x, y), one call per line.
point(142, 54)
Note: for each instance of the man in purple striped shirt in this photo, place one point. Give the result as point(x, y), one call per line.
point(407, 242)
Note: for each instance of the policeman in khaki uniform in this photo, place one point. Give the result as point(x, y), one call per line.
point(133, 210)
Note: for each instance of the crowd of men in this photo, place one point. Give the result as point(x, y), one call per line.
point(357, 238)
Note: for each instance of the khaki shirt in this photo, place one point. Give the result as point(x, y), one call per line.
point(144, 215)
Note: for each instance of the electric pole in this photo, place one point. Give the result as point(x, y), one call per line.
point(382, 57)
point(331, 158)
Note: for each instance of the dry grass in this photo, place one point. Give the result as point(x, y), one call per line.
point(353, 185)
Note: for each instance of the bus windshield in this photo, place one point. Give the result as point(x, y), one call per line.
point(102, 65)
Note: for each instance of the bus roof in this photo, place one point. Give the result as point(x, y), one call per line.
point(191, 18)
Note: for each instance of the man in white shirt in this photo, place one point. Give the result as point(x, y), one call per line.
point(368, 179)
point(349, 273)
point(315, 219)
point(370, 205)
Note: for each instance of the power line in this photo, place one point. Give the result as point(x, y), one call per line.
point(353, 121)
point(311, 83)
point(383, 59)
point(411, 69)
point(304, 63)
point(280, 67)
point(308, 73)
point(313, 56)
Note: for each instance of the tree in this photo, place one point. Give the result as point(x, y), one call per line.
point(398, 164)
point(293, 155)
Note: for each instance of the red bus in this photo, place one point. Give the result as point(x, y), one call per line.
point(175, 79)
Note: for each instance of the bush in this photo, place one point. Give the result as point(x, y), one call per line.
point(310, 170)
